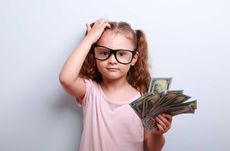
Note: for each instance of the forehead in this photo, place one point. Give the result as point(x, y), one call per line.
point(115, 40)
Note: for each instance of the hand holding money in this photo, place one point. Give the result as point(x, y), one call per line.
point(159, 100)
point(163, 123)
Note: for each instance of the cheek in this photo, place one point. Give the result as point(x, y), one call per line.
point(125, 68)
point(100, 65)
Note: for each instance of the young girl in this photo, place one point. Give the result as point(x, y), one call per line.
point(107, 71)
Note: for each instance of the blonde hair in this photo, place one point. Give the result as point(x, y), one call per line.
point(138, 75)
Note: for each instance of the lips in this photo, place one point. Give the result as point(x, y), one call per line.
point(112, 69)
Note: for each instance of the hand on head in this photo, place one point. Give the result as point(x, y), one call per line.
point(95, 32)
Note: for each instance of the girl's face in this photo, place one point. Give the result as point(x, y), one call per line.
point(110, 68)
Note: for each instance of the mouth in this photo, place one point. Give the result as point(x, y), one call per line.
point(113, 69)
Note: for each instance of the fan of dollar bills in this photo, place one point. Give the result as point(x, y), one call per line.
point(159, 99)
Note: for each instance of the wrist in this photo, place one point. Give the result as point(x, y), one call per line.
point(89, 39)
point(158, 137)
point(154, 141)
point(86, 43)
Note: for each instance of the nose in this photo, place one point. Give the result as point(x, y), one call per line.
point(112, 58)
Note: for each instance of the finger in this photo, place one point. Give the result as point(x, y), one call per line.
point(160, 128)
point(97, 23)
point(88, 27)
point(168, 116)
point(107, 25)
point(101, 24)
point(102, 21)
point(160, 121)
point(165, 121)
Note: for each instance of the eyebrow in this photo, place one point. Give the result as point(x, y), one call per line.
point(114, 49)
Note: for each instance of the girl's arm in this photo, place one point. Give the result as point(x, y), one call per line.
point(69, 75)
point(154, 140)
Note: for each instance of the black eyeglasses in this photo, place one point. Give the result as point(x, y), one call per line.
point(122, 56)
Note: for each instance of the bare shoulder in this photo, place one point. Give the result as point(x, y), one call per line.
point(76, 88)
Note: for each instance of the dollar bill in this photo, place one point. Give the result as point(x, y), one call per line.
point(188, 107)
point(138, 104)
point(175, 91)
point(149, 104)
point(158, 100)
point(159, 85)
point(149, 123)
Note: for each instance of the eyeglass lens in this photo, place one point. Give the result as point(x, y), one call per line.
point(122, 56)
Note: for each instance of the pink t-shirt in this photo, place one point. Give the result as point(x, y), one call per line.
point(109, 126)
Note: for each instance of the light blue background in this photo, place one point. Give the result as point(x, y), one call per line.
point(188, 40)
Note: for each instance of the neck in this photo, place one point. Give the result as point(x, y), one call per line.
point(113, 85)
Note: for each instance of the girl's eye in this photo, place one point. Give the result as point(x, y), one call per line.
point(122, 53)
point(104, 53)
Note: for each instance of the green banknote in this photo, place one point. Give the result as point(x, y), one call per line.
point(158, 100)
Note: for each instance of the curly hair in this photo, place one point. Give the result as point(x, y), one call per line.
point(138, 75)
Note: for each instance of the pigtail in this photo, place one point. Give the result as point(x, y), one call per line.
point(139, 76)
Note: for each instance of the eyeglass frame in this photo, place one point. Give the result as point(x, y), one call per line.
point(114, 52)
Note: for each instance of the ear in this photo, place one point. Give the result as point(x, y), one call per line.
point(135, 58)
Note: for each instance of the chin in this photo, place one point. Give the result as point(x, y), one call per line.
point(113, 77)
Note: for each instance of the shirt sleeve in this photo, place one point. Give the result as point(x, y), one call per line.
point(88, 87)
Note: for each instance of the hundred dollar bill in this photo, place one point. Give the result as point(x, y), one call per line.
point(149, 123)
point(149, 104)
point(174, 91)
point(158, 100)
point(169, 99)
point(188, 107)
point(138, 104)
point(159, 85)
